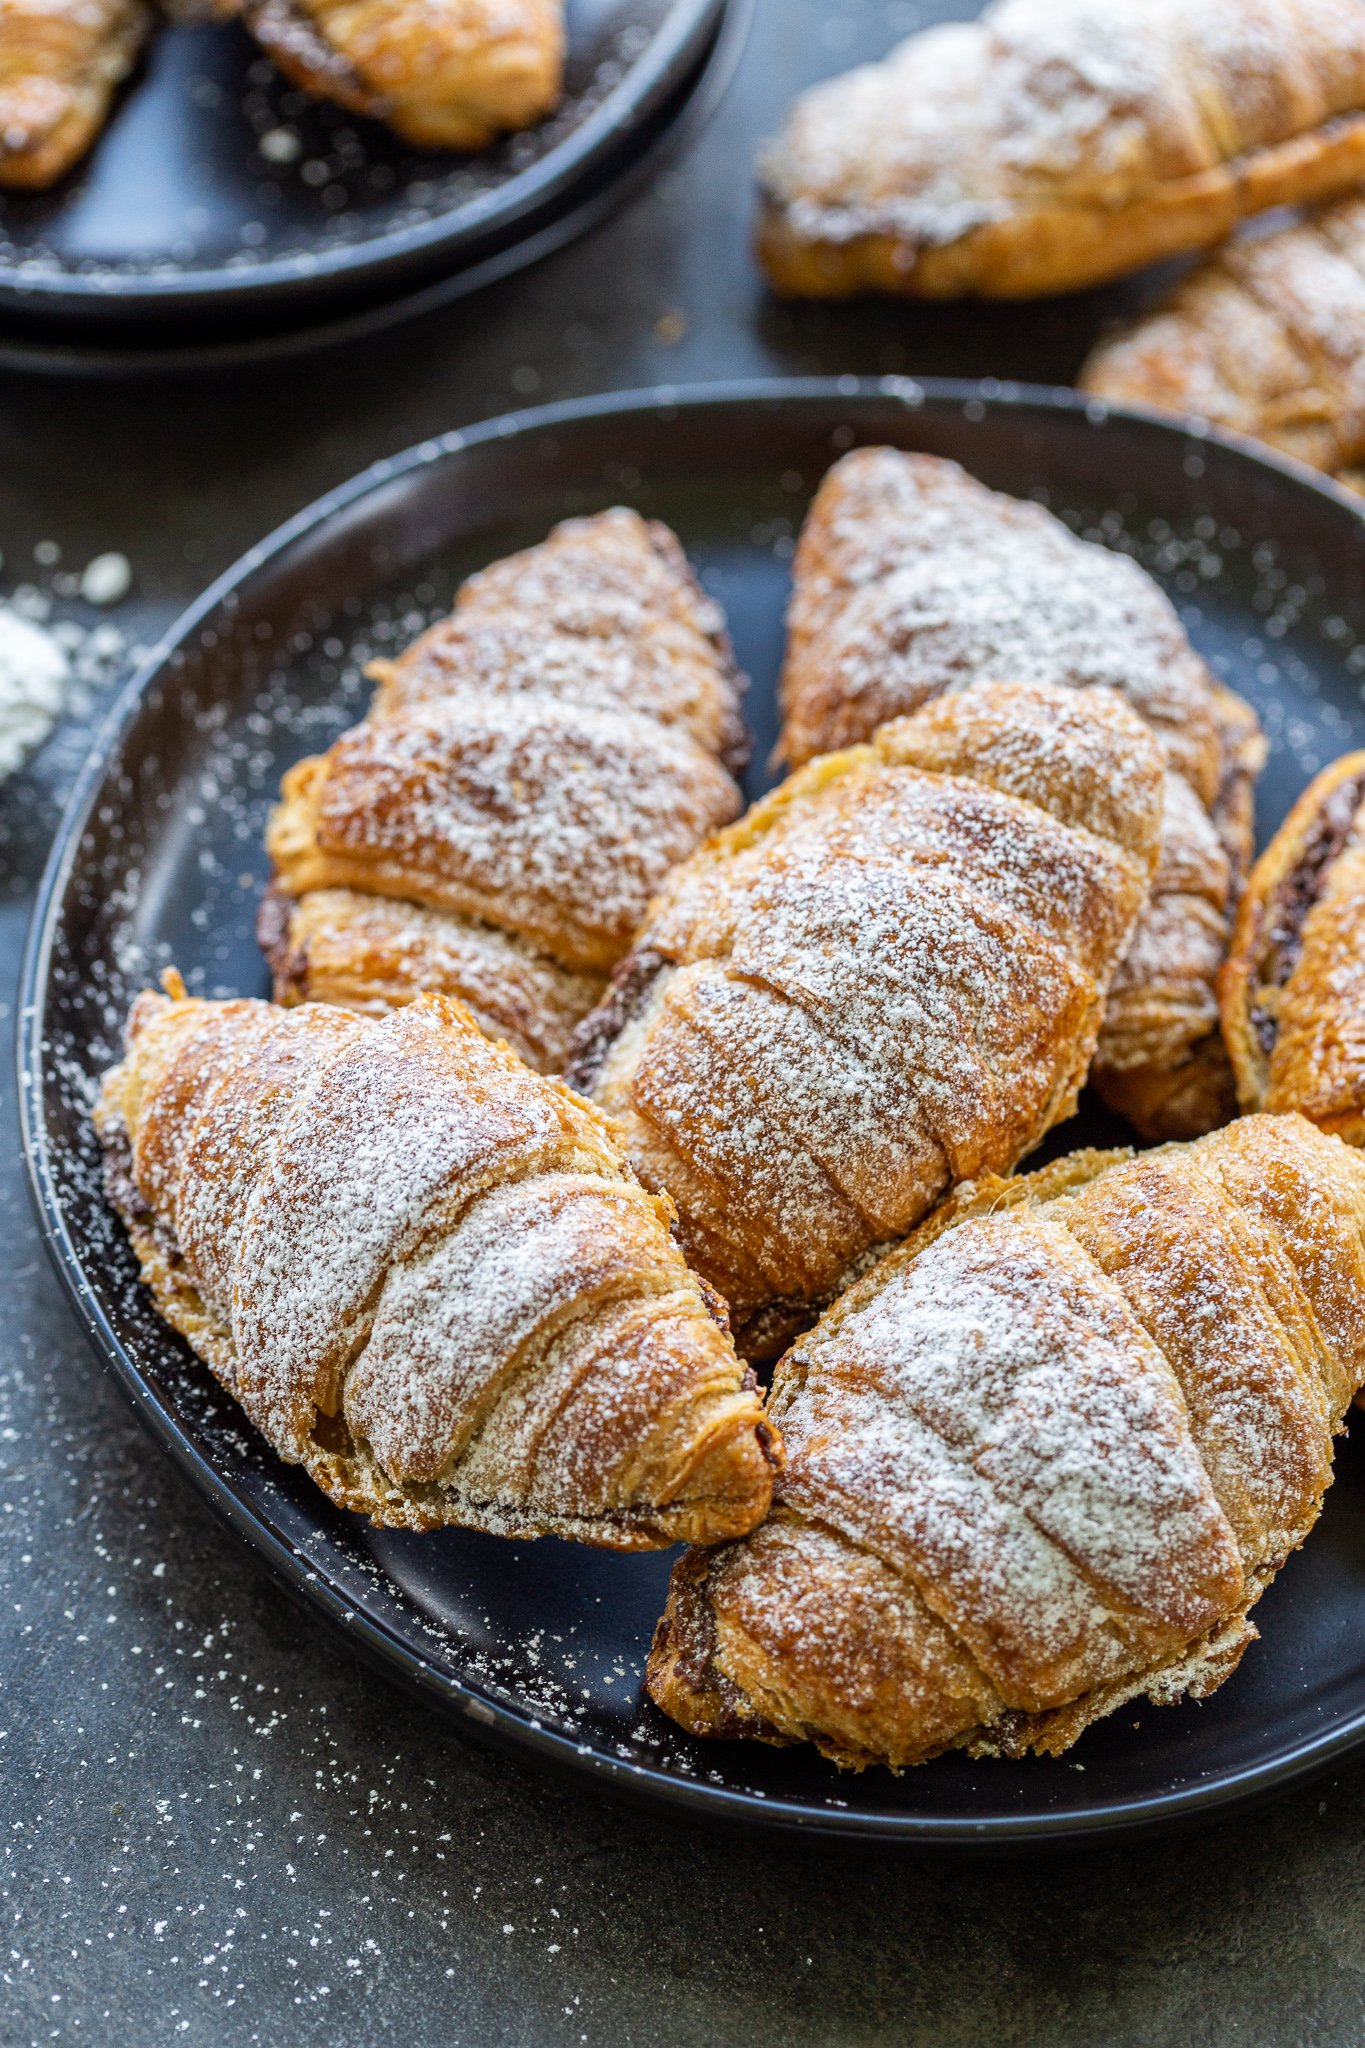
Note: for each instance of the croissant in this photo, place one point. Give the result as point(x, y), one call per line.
point(912, 578)
point(427, 1275)
point(1266, 338)
point(886, 978)
point(444, 74)
point(1042, 1459)
point(530, 770)
point(61, 62)
point(1293, 988)
point(1055, 144)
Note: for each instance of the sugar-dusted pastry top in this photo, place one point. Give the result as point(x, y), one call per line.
point(1042, 1459)
point(61, 62)
point(530, 770)
point(374, 953)
point(1266, 338)
point(911, 578)
point(886, 978)
point(1294, 985)
point(427, 1275)
point(1053, 144)
point(445, 74)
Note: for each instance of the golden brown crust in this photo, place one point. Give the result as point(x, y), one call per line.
point(1042, 1459)
point(1055, 144)
point(61, 61)
point(427, 1275)
point(885, 978)
point(1293, 990)
point(1267, 338)
point(530, 769)
point(912, 578)
point(450, 75)
point(373, 953)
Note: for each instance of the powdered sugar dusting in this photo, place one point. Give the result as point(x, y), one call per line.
point(913, 578)
point(412, 1248)
point(1266, 338)
point(1080, 1432)
point(502, 779)
point(544, 817)
point(826, 981)
point(1053, 102)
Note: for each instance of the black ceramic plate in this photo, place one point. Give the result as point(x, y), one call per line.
point(90, 350)
point(540, 1647)
point(220, 194)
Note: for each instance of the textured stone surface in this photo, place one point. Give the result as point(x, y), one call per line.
point(214, 1826)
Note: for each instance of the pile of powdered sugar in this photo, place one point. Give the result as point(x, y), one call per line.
point(34, 674)
point(48, 665)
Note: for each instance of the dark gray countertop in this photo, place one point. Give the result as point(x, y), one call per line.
point(215, 1826)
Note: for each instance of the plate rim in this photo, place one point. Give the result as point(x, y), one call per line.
point(518, 1730)
point(598, 147)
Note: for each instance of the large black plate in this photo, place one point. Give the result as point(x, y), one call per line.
point(182, 216)
point(540, 1647)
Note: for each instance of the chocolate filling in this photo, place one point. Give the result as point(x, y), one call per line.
point(623, 1002)
point(1296, 893)
point(272, 936)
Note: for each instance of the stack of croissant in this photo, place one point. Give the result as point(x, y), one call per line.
point(582, 1097)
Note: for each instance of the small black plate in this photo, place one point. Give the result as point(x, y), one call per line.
point(221, 194)
point(540, 1647)
point(89, 351)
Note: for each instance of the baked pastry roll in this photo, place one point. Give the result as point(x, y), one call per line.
point(373, 953)
point(1042, 1459)
point(61, 61)
point(1055, 144)
point(530, 770)
point(1294, 984)
point(427, 1274)
point(1266, 338)
point(886, 978)
point(444, 74)
point(911, 578)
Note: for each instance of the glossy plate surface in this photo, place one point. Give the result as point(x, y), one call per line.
point(540, 1647)
point(220, 192)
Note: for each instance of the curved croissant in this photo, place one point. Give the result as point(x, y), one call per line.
point(1266, 338)
point(886, 978)
point(1294, 985)
point(912, 578)
point(427, 1275)
point(530, 770)
point(1042, 1459)
point(1055, 144)
point(444, 74)
point(61, 62)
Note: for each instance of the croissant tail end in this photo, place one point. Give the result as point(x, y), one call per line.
point(727, 1487)
point(680, 1676)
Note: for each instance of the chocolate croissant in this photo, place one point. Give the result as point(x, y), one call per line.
point(911, 578)
point(530, 770)
point(1266, 338)
point(1054, 144)
point(1294, 986)
point(1042, 1459)
point(61, 61)
point(427, 1275)
point(886, 978)
point(444, 74)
